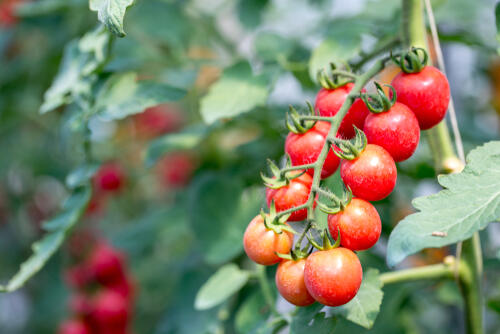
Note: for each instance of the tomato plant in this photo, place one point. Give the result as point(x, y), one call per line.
point(247, 167)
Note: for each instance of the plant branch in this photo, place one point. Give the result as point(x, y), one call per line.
point(435, 271)
point(382, 47)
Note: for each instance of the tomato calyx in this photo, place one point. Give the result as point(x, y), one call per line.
point(297, 253)
point(272, 221)
point(337, 204)
point(412, 61)
point(296, 124)
point(327, 243)
point(350, 149)
point(379, 102)
point(337, 77)
point(280, 178)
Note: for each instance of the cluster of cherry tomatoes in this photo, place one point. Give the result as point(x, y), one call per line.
point(102, 299)
point(418, 100)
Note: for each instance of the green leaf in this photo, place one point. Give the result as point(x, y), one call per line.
point(188, 138)
point(497, 21)
point(219, 212)
point(111, 13)
point(236, 92)
point(251, 317)
point(469, 202)
point(80, 60)
point(220, 286)
point(494, 304)
point(310, 319)
point(250, 12)
point(123, 95)
point(270, 46)
point(364, 308)
point(81, 175)
point(57, 228)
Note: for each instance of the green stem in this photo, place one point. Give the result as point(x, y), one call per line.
point(382, 47)
point(470, 261)
point(266, 288)
point(435, 271)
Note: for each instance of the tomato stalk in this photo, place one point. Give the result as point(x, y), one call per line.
point(435, 271)
point(470, 261)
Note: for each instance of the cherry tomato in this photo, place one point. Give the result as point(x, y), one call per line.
point(73, 326)
point(176, 169)
point(8, 15)
point(106, 264)
point(329, 101)
point(290, 282)
point(158, 120)
point(359, 225)
point(110, 177)
point(426, 93)
point(396, 130)
point(305, 148)
point(80, 304)
point(333, 277)
point(262, 244)
point(372, 175)
point(110, 311)
point(294, 194)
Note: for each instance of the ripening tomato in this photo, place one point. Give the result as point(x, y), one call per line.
point(359, 225)
point(294, 194)
point(262, 244)
point(426, 93)
point(110, 311)
point(73, 326)
point(110, 177)
point(106, 264)
point(80, 304)
point(396, 130)
point(8, 12)
point(290, 282)
point(304, 148)
point(372, 175)
point(329, 101)
point(158, 120)
point(176, 169)
point(333, 276)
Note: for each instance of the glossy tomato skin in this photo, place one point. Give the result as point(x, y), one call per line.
point(426, 93)
point(329, 101)
point(290, 282)
point(294, 194)
point(372, 175)
point(396, 130)
point(333, 277)
point(359, 224)
point(304, 148)
point(262, 244)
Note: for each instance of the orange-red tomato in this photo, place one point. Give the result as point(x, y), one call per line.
point(359, 225)
point(333, 276)
point(261, 244)
point(290, 282)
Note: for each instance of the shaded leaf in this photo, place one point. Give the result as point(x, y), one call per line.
point(469, 202)
point(111, 13)
point(236, 92)
point(187, 139)
point(123, 95)
point(81, 175)
point(43, 249)
point(312, 319)
point(494, 304)
point(223, 284)
point(219, 212)
point(251, 317)
point(364, 308)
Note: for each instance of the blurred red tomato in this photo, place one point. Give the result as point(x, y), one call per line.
point(176, 169)
point(7, 12)
point(109, 178)
point(158, 120)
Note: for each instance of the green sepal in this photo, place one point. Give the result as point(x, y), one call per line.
point(336, 78)
point(350, 149)
point(279, 178)
point(326, 240)
point(274, 222)
point(411, 61)
point(338, 204)
point(296, 124)
point(379, 102)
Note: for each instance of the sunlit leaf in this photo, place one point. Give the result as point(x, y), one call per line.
point(111, 13)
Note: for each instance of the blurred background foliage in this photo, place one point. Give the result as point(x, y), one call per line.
point(193, 185)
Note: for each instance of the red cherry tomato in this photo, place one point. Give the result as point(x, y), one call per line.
point(396, 130)
point(176, 169)
point(262, 244)
point(106, 264)
point(158, 120)
point(73, 326)
point(110, 311)
point(8, 12)
point(294, 194)
point(110, 177)
point(333, 277)
point(372, 175)
point(426, 93)
point(80, 304)
point(359, 225)
point(290, 282)
point(329, 101)
point(305, 148)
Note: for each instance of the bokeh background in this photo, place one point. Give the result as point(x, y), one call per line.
point(181, 216)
